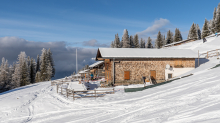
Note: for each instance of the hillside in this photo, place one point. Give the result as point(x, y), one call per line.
point(194, 99)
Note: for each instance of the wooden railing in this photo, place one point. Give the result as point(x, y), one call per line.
point(89, 93)
point(211, 53)
point(81, 94)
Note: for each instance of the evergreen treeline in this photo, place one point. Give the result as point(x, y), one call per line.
point(134, 42)
point(26, 71)
point(209, 27)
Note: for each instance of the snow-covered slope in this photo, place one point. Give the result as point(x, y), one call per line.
point(194, 99)
point(211, 44)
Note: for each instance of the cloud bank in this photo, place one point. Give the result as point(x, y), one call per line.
point(94, 43)
point(63, 55)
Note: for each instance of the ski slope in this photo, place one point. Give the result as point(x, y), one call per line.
point(194, 99)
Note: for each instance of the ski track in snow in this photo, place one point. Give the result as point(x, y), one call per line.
point(192, 99)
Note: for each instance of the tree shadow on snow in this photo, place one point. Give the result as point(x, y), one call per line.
point(16, 89)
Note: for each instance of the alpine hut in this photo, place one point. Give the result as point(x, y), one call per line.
point(132, 64)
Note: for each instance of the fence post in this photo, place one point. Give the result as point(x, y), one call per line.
point(61, 90)
point(66, 92)
point(113, 91)
point(216, 52)
point(198, 58)
point(95, 93)
point(57, 88)
point(73, 94)
point(207, 54)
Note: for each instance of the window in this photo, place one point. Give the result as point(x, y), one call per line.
point(170, 75)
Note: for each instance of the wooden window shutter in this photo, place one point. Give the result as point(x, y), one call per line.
point(126, 75)
point(178, 62)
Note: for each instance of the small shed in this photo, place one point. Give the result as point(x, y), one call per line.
point(132, 64)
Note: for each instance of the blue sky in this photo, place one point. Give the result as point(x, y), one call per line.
point(64, 25)
point(78, 21)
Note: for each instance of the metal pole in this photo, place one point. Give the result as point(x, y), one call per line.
point(113, 70)
point(76, 62)
point(198, 58)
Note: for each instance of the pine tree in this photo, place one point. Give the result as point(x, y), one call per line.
point(177, 36)
point(192, 33)
point(142, 45)
point(136, 41)
point(38, 64)
point(121, 43)
point(51, 61)
point(189, 34)
point(131, 41)
point(11, 72)
point(149, 44)
point(32, 70)
point(16, 77)
point(112, 44)
point(126, 40)
point(49, 72)
point(24, 75)
point(117, 41)
point(159, 40)
point(4, 77)
point(213, 22)
point(164, 40)
point(198, 32)
point(21, 70)
point(205, 30)
point(217, 19)
point(29, 68)
point(38, 77)
point(169, 38)
point(7, 76)
point(43, 65)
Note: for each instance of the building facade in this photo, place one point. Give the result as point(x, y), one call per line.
point(128, 66)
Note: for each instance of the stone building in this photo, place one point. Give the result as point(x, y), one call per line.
point(132, 64)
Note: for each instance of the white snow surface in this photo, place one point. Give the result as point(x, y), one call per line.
point(194, 99)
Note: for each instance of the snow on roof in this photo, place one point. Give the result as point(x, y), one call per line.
point(77, 75)
point(177, 42)
point(84, 71)
point(108, 53)
point(96, 64)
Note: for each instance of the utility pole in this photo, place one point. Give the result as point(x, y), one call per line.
point(76, 62)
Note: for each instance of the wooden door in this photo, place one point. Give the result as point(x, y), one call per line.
point(153, 74)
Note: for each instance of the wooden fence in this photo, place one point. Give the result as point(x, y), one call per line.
point(62, 88)
point(88, 93)
point(211, 53)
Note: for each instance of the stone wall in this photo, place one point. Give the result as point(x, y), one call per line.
point(142, 67)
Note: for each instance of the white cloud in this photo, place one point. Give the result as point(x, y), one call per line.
point(94, 43)
point(157, 25)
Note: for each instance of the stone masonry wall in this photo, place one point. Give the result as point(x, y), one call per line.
point(142, 67)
